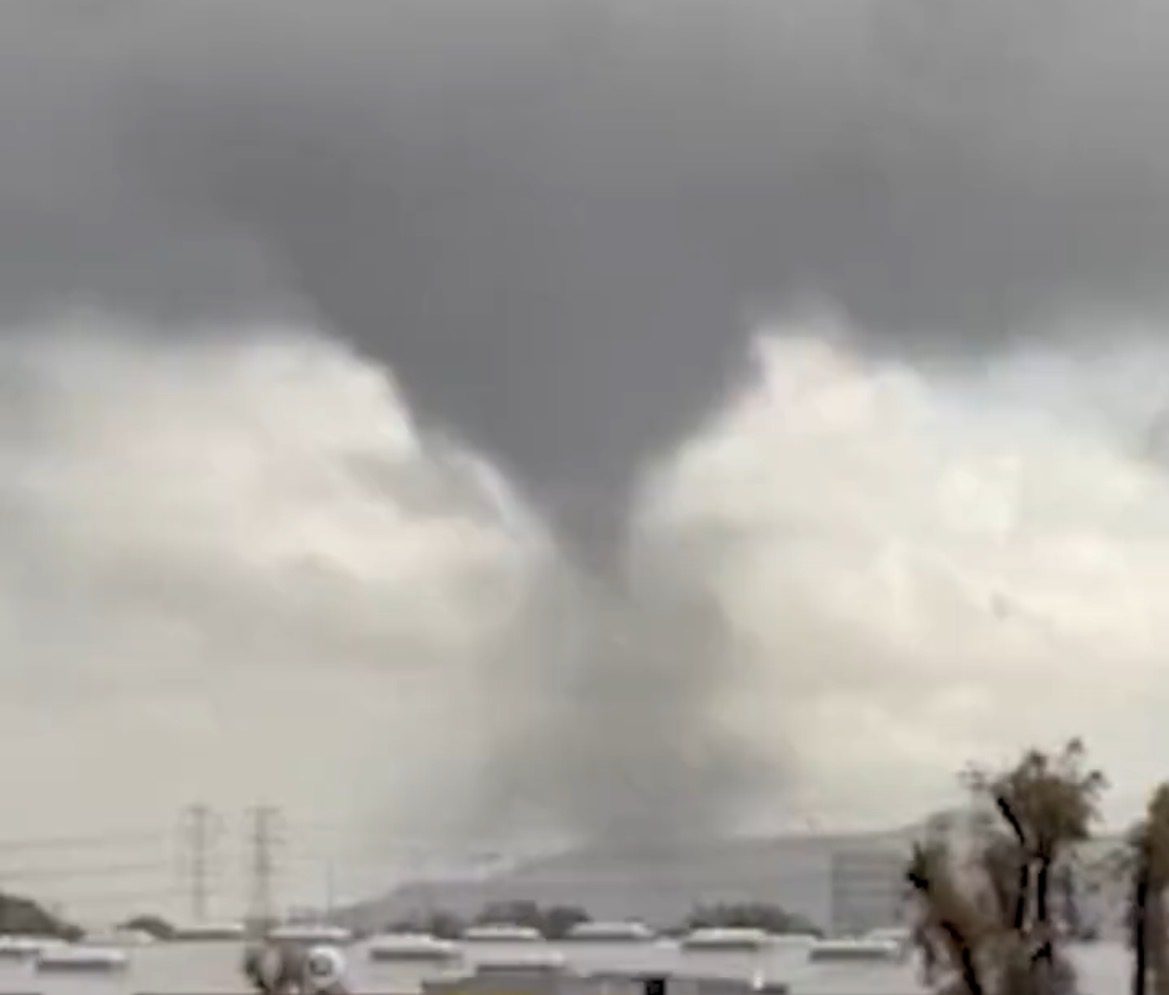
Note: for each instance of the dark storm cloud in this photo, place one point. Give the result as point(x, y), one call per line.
point(550, 217)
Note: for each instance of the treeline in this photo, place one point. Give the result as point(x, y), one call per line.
point(555, 921)
point(151, 925)
point(24, 917)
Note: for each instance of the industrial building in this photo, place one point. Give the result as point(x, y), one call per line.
point(867, 889)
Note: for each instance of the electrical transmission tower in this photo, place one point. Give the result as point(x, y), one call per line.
point(198, 836)
point(265, 824)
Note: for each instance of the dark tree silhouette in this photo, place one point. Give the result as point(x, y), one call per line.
point(951, 927)
point(23, 916)
point(151, 925)
point(985, 912)
point(1049, 804)
point(553, 922)
point(1148, 859)
point(444, 925)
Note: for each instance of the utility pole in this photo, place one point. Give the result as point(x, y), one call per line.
point(197, 835)
point(264, 825)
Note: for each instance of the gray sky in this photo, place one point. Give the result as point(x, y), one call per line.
point(524, 206)
point(447, 362)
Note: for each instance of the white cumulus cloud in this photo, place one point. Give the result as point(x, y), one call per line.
point(925, 564)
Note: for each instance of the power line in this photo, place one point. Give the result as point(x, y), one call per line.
point(118, 898)
point(77, 842)
point(93, 870)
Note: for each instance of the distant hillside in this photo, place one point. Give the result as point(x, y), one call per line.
point(661, 884)
point(657, 884)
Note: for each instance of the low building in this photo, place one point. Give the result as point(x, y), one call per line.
point(564, 982)
point(867, 890)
